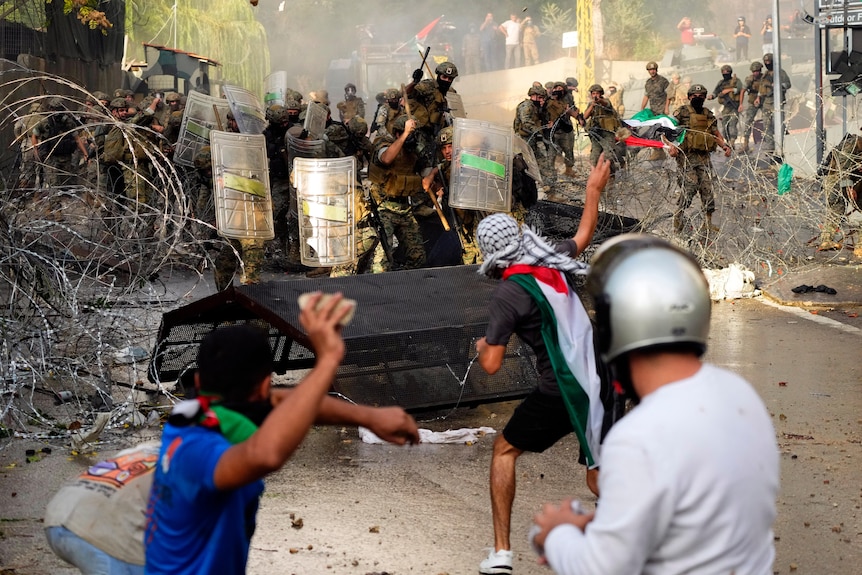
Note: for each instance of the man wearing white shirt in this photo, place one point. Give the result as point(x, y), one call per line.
point(511, 29)
point(689, 477)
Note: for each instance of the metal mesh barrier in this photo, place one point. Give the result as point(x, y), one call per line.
point(412, 342)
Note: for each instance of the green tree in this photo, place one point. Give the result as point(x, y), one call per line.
point(555, 22)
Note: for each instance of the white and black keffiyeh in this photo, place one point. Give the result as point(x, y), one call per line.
point(504, 244)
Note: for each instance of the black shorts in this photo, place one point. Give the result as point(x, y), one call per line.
point(538, 422)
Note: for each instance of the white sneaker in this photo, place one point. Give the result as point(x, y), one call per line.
point(497, 562)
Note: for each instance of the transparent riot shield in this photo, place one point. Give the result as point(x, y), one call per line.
point(456, 105)
point(523, 148)
point(246, 108)
point(274, 88)
point(315, 120)
point(481, 166)
point(202, 114)
point(325, 196)
point(243, 202)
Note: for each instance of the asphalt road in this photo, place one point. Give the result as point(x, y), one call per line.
point(425, 509)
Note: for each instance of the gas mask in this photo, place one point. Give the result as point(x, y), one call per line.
point(443, 85)
point(727, 76)
point(392, 104)
point(768, 66)
point(697, 103)
point(558, 94)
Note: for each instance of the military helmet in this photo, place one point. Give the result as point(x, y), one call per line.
point(99, 96)
point(596, 88)
point(400, 122)
point(726, 69)
point(756, 67)
point(123, 93)
point(391, 94)
point(203, 159)
point(291, 94)
point(292, 105)
point(271, 110)
point(537, 91)
point(573, 82)
point(560, 85)
point(349, 86)
point(282, 116)
point(446, 136)
point(651, 66)
point(357, 126)
point(767, 58)
point(549, 85)
point(337, 133)
point(172, 97)
point(425, 88)
point(55, 104)
point(446, 69)
point(674, 304)
point(697, 89)
point(118, 103)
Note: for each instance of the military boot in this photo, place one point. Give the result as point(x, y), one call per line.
point(569, 173)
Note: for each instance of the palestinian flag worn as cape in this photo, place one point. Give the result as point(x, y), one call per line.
point(568, 336)
point(648, 128)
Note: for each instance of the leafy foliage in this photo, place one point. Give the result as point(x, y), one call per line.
point(555, 22)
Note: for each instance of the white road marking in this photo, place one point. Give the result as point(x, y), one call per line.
point(805, 314)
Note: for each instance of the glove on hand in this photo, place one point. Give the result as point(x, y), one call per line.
point(417, 74)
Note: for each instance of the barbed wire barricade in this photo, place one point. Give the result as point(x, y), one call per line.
point(84, 266)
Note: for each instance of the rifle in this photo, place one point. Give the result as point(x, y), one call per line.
point(377, 224)
point(431, 193)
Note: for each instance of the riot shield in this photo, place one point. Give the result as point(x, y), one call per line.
point(481, 166)
point(523, 148)
point(202, 114)
point(243, 202)
point(456, 105)
point(274, 88)
point(325, 196)
point(246, 108)
point(315, 120)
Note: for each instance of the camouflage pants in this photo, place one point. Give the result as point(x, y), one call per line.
point(280, 211)
point(838, 200)
point(604, 141)
point(748, 121)
point(60, 171)
point(398, 222)
point(729, 124)
point(250, 250)
point(565, 141)
point(694, 174)
point(366, 241)
point(137, 181)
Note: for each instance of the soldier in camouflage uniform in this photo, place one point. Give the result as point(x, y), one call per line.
point(531, 119)
point(842, 183)
point(279, 175)
point(250, 250)
point(437, 181)
point(394, 170)
point(602, 122)
point(560, 116)
point(352, 105)
point(768, 87)
point(54, 139)
point(694, 166)
point(354, 142)
point(727, 92)
point(387, 113)
point(438, 107)
point(615, 97)
point(752, 88)
point(655, 91)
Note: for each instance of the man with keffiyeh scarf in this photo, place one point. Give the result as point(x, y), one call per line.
point(536, 302)
point(217, 448)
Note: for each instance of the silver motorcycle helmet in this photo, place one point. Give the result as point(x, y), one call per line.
point(647, 292)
